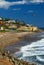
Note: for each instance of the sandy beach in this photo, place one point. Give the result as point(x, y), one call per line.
point(24, 38)
point(9, 38)
point(14, 41)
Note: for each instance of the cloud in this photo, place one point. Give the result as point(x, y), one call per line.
point(17, 9)
point(34, 1)
point(37, 1)
point(6, 4)
point(30, 11)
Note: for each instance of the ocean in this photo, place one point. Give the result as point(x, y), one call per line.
point(33, 52)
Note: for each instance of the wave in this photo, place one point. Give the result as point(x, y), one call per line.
point(35, 50)
point(39, 58)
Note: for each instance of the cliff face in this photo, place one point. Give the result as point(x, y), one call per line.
point(29, 28)
point(33, 29)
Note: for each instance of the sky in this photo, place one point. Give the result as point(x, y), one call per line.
point(30, 11)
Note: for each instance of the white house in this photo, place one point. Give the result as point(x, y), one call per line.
point(10, 21)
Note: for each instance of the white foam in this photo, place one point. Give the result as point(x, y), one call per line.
point(39, 58)
point(35, 48)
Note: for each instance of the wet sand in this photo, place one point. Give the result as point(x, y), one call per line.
point(25, 40)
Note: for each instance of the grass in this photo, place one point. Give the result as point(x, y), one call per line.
point(2, 30)
point(11, 30)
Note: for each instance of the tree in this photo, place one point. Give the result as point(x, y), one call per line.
point(22, 23)
point(17, 22)
point(6, 19)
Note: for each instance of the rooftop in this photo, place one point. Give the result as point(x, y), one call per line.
point(0, 18)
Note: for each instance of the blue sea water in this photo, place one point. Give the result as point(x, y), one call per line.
point(34, 52)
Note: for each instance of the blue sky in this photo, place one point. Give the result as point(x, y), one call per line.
point(31, 11)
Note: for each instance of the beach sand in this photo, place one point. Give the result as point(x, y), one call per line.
point(9, 38)
point(13, 41)
point(25, 38)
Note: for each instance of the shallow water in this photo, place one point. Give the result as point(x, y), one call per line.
point(33, 52)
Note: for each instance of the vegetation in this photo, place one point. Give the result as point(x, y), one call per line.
point(19, 23)
point(7, 19)
point(10, 24)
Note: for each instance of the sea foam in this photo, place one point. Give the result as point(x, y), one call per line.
point(34, 50)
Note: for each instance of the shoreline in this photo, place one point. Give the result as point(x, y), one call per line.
point(25, 40)
point(9, 38)
point(27, 36)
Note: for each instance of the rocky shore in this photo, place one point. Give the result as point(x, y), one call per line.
point(11, 38)
point(7, 59)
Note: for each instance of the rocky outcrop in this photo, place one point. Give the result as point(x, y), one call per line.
point(7, 58)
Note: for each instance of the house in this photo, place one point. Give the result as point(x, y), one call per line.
point(10, 21)
point(2, 28)
point(1, 20)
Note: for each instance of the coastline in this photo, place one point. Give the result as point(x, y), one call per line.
point(9, 38)
point(19, 37)
point(26, 39)
point(14, 41)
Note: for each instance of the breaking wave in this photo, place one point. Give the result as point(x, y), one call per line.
point(33, 52)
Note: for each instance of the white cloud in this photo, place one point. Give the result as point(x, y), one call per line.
point(6, 4)
point(30, 11)
point(37, 1)
point(17, 9)
point(34, 1)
